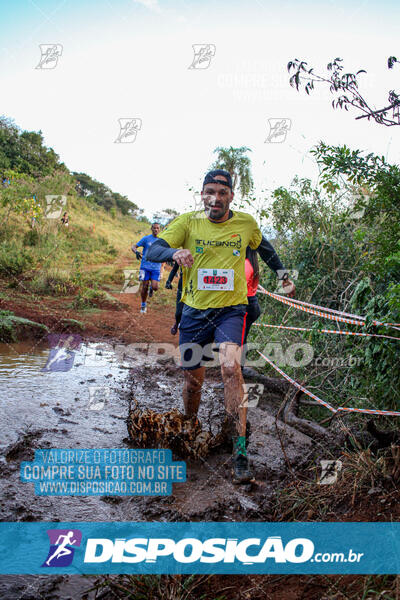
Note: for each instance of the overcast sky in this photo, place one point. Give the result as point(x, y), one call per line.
point(130, 59)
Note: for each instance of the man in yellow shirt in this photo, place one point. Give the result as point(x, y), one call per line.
point(213, 246)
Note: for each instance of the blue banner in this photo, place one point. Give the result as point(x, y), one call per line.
point(103, 472)
point(225, 548)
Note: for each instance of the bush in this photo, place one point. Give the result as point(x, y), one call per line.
point(11, 327)
point(52, 282)
point(14, 260)
point(7, 332)
point(31, 238)
point(112, 251)
point(88, 298)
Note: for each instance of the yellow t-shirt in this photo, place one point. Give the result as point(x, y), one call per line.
point(217, 277)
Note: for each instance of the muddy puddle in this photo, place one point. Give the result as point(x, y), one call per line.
point(86, 406)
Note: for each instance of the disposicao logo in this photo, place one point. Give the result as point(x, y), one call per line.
point(190, 550)
point(62, 547)
point(62, 355)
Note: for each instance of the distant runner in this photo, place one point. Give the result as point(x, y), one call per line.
point(213, 242)
point(149, 271)
point(179, 304)
point(252, 272)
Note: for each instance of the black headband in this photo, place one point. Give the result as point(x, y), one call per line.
point(210, 178)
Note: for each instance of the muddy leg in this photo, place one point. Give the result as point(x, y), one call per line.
point(192, 390)
point(230, 355)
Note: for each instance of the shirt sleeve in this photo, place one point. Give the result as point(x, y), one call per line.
point(140, 243)
point(256, 236)
point(160, 251)
point(269, 256)
point(175, 233)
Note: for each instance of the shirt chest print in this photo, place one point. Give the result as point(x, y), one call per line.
point(201, 243)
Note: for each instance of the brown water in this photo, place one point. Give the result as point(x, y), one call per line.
point(52, 410)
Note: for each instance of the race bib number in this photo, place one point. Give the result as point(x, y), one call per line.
point(220, 280)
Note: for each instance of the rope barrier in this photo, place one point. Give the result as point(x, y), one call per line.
point(335, 316)
point(323, 312)
point(368, 411)
point(389, 337)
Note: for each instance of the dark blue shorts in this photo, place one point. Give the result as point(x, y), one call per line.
point(200, 330)
point(147, 274)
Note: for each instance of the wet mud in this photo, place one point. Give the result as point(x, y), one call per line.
point(52, 410)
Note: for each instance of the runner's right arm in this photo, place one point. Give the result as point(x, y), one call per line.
point(268, 254)
point(135, 247)
point(169, 241)
point(271, 258)
point(160, 251)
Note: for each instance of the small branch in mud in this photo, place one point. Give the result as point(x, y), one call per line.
point(290, 416)
point(291, 406)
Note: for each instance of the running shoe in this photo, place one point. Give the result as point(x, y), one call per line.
point(228, 429)
point(143, 310)
point(241, 472)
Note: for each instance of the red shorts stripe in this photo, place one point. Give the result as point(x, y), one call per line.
point(244, 328)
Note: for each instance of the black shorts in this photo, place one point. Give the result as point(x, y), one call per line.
point(199, 330)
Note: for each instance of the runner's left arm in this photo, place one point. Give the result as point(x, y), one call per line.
point(269, 256)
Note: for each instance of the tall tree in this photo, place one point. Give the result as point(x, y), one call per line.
point(99, 193)
point(235, 161)
point(25, 152)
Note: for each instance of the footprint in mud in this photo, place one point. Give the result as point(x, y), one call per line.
point(61, 411)
point(23, 448)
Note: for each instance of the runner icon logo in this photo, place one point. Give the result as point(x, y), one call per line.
point(252, 394)
point(50, 53)
point(131, 286)
point(278, 129)
point(61, 356)
point(203, 54)
point(128, 129)
point(329, 471)
point(55, 203)
point(63, 543)
point(98, 396)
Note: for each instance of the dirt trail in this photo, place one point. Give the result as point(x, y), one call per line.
point(125, 324)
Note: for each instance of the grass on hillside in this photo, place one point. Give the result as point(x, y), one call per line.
point(84, 261)
point(51, 259)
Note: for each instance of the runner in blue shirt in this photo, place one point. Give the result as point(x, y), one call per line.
point(149, 271)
